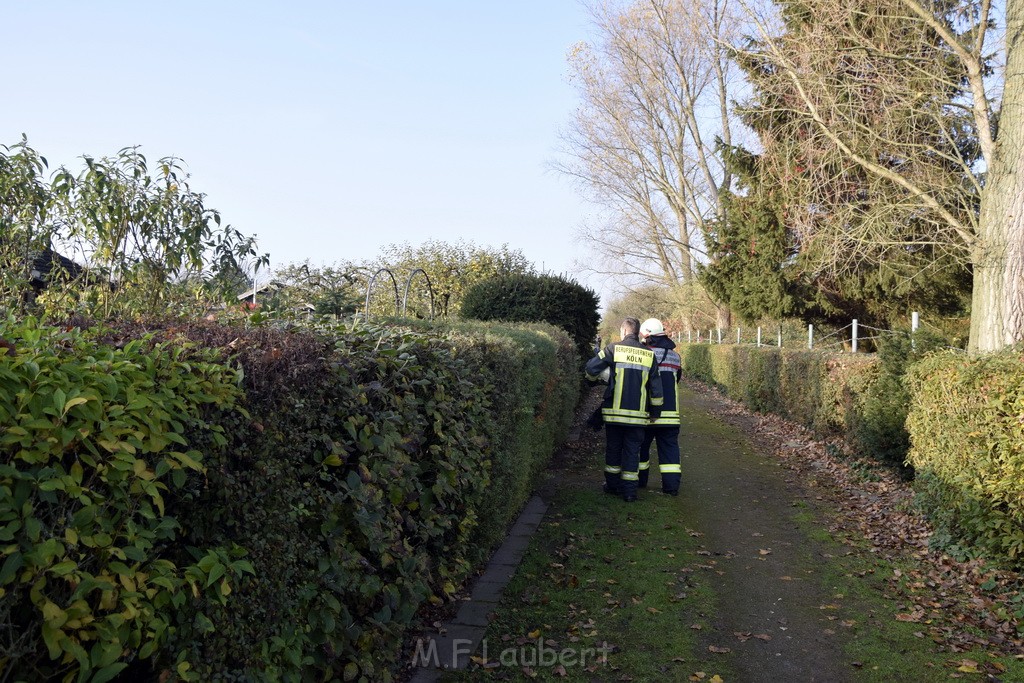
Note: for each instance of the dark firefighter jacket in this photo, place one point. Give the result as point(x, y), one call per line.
point(669, 367)
point(633, 384)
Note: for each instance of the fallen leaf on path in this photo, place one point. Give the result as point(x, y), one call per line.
point(718, 650)
point(967, 666)
point(913, 617)
point(763, 636)
point(763, 551)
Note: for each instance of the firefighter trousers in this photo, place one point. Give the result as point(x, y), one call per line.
point(622, 458)
point(667, 439)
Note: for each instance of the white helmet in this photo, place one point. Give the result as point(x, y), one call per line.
point(651, 326)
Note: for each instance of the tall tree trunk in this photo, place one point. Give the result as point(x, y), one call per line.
point(997, 306)
point(723, 317)
point(685, 257)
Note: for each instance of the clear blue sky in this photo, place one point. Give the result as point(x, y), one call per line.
point(328, 129)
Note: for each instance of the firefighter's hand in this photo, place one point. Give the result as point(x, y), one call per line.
point(654, 413)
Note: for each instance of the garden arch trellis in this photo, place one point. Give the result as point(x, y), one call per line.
point(400, 309)
point(430, 289)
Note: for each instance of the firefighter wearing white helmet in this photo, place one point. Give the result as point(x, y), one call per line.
point(665, 429)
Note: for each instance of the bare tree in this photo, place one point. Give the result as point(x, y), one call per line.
point(890, 100)
point(654, 92)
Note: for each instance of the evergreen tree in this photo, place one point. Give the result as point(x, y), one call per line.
point(830, 239)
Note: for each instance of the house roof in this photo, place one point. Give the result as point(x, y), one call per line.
point(269, 286)
point(48, 261)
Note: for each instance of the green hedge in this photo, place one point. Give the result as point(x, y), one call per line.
point(966, 424)
point(553, 299)
point(533, 382)
point(823, 392)
point(343, 479)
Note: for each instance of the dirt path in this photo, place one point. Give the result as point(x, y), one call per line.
point(777, 562)
point(768, 574)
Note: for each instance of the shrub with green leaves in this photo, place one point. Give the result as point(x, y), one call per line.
point(966, 426)
point(538, 298)
point(93, 445)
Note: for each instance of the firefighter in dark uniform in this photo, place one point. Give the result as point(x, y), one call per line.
point(664, 430)
point(632, 399)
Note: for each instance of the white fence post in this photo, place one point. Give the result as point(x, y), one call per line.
point(854, 337)
point(759, 336)
point(780, 336)
point(915, 322)
point(810, 337)
point(737, 334)
point(719, 335)
point(689, 337)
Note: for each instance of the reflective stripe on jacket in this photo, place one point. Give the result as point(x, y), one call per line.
point(633, 382)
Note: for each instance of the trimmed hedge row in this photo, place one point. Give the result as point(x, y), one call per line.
point(823, 392)
point(341, 480)
point(966, 424)
point(534, 386)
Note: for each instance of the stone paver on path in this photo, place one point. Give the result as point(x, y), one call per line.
point(452, 647)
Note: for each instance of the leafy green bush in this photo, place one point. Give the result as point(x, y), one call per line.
point(538, 298)
point(396, 457)
point(93, 449)
point(802, 379)
point(967, 434)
